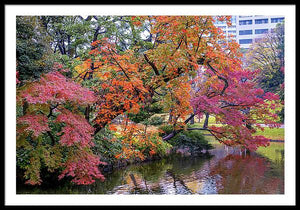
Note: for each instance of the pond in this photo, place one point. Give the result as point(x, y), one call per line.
point(222, 170)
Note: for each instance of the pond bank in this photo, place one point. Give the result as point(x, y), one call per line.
point(222, 170)
point(271, 140)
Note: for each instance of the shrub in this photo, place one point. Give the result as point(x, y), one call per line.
point(156, 120)
point(106, 147)
point(153, 146)
point(193, 140)
point(167, 129)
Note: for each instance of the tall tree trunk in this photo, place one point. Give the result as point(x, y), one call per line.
point(69, 45)
point(133, 179)
point(25, 106)
point(192, 121)
point(87, 113)
point(170, 116)
point(61, 49)
point(205, 125)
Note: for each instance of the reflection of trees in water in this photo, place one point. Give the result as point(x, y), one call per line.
point(159, 177)
point(246, 174)
point(143, 178)
point(178, 183)
point(229, 171)
point(226, 171)
point(152, 171)
point(167, 176)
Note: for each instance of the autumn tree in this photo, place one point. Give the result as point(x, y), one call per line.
point(240, 109)
point(180, 45)
point(183, 62)
point(52, 133)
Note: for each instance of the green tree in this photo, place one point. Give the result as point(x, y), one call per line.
point(32, 48)
point(268, 55)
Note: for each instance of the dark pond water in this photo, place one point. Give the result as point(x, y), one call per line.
point(222, 171)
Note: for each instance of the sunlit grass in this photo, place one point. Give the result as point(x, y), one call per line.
point(275, 152)
point(212, 140)
point(272, 133)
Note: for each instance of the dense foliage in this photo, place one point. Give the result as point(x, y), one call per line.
point(52, 133)
point(111, 78)
point(31, 49)
point(267, 54)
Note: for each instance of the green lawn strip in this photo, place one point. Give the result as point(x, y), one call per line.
point(211, 119)
point(271, 133)
point(275, 151)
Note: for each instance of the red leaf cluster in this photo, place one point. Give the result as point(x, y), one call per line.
point(36, 123)
point(54, 88)
point(83, 166)
point(76, 131)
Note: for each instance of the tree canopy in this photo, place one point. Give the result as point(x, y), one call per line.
point(267, 55)
point(117, 66)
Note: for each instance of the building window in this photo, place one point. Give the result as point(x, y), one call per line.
point(277, 20)
point(261, 31)
point(245, 41)
point(261, 21)
point(231, 31)
point(245, 32)
point(233, 20)
point(219, 22)
point(245, 16)
point(245, 22)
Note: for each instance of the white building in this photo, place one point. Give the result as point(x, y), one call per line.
point(251, 28)
point(248, 29)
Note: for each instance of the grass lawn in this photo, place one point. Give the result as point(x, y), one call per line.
point(275, 151)
point(211, 119)
point(272, 133)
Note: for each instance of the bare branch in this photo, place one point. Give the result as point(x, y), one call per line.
point(151, 64)
point(222, 78)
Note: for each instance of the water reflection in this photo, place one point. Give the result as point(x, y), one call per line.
point(223, 170)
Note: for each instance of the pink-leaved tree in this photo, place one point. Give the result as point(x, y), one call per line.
point(53, 132)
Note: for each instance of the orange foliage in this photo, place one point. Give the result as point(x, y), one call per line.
point(180, 46)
